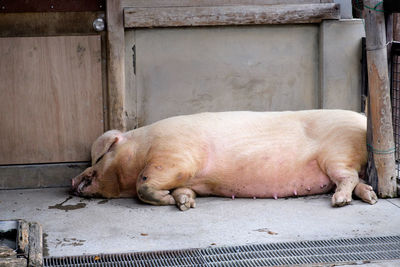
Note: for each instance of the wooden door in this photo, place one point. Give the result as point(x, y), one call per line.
point(50, 98)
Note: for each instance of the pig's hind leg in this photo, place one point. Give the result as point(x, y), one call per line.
point(184, 198)
point(365, 193)
point(346, 179)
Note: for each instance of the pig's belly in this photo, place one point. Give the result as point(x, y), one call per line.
point(270, 180)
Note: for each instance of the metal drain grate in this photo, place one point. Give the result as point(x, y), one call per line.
point(275, 254)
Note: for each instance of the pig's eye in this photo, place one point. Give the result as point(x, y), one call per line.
point(88, 182)
point(99, 158)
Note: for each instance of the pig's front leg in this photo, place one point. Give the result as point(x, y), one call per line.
point(156, 197)
point(184, 198)
point(158, 179)
point(346, 180)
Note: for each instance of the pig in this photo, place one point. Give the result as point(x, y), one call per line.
point(232, 154)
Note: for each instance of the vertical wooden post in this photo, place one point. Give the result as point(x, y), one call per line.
point(115, 65)
point(396, 37)
point(380, 106)
point(396, 27)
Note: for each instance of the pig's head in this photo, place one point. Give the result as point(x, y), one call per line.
point(106, 177)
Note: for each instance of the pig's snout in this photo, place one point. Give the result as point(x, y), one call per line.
point(81, 181)
point(73, 183)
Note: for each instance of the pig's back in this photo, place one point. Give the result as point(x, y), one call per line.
point(267, 154)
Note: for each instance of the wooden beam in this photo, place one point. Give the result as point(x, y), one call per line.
point(35, 253)
point(115, 65)
point(23, 237)
point(201, 3)
point(228, 15)
point(380, 105)
point(47, 24)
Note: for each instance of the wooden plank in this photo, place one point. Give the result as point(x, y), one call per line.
point(12, 262)
point(23, 237)
point(50, 6)
point(228, 15)
point(6, 252)
point(47, 24)
point(380, 106)
point(35, 257)
point(50, 98)
point(116, 65)
point(202, 3)
point(103, 37)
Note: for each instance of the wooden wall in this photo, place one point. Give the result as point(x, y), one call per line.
point(50, 98)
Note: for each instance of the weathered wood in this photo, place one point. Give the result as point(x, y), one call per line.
point(228, 15)
point(396, 37)
point(200, 3)
point(380, 105)
point(103, 37)
point(6, 252)
point(396, 27)
point(8, 6)
point(51, 107)
point(116, 65)
point(23, 237)
point(35, 258)
point(47, 24)
point(8, 256)
point(13, 262)
point(39, 175)
point(372, 176)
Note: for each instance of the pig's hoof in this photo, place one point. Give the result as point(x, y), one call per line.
point(370, 197)
point(366, 193)
point(340, 199)
point(185, 202)
point(184, 198)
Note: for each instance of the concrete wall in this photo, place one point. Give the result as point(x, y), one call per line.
point(271, 67)
point(340, 66)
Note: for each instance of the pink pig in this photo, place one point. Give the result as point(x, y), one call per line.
point(232, 154)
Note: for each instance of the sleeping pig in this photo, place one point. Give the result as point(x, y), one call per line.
point(232, 154)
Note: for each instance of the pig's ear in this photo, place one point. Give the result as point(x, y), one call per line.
point(104, 143)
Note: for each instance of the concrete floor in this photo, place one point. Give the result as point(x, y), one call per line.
point(91, 226)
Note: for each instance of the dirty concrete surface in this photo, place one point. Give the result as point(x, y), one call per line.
point(76, 226)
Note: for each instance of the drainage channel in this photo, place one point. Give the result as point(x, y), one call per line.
point(350, 250)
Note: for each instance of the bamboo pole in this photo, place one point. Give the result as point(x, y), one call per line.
point(381, 114)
